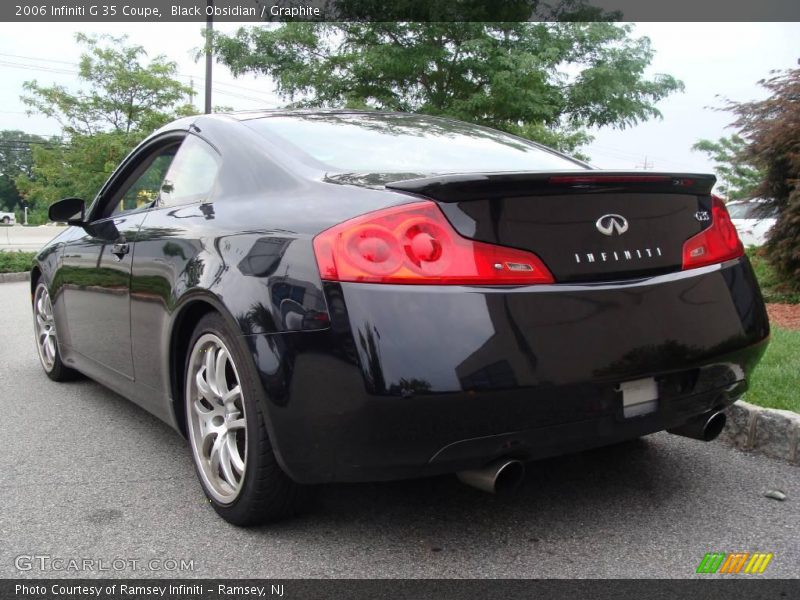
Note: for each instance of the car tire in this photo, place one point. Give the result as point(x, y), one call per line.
point(6, 220)
point(44, 326)
point(231, 449)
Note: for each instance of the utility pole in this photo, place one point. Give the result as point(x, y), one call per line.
point(646, 165)
point(209, 31)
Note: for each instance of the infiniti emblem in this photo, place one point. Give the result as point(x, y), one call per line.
point(608, 224)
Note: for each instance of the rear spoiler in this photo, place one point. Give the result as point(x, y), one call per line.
point(482, 186)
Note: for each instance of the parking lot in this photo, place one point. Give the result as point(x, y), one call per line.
point(85, 474)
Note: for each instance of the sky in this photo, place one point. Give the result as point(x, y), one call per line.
point(714, 61)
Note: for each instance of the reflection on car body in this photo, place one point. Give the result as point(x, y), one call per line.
point(328, 296)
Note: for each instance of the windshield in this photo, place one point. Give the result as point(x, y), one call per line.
point(392, 143)
point(751, 210)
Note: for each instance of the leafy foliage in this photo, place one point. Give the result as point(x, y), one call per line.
point(123, 94)
point(737, 178)
point(78, 168)
point(123, 99)
point(771, 128)
point(16, 158)
point(545, 81)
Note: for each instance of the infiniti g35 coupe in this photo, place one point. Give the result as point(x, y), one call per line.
point(324, 296)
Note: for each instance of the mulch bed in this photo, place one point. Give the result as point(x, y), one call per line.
point(785, 315)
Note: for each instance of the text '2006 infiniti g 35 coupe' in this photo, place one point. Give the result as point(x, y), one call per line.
point(327, 296)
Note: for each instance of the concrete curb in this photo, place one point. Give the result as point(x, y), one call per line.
point(9, 277)
point(768, 431)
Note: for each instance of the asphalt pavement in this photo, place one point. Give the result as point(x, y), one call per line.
point(86, 475)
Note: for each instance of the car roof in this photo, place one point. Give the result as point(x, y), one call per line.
point(246, 115)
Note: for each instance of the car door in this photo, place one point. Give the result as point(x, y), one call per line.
point(170, 254)
point(96, 267)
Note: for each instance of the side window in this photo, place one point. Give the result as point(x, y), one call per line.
point(142, 187)
point(192, 175)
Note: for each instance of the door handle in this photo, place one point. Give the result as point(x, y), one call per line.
point(120, 250)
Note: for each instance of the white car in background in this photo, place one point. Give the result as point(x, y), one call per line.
point(7, 218)
point(753, 219)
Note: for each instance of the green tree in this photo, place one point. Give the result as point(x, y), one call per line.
point(737, 177)
point(123, 98)
point(122, 94)
point(545, 81)
point(771, 128)
point(16, 158)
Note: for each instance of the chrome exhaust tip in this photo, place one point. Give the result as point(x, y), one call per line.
point(499, 476)
point(705, 427)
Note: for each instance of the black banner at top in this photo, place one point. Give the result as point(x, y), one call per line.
point(397, 10)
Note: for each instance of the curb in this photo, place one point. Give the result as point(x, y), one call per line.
point(768, 431)
point(9, 277)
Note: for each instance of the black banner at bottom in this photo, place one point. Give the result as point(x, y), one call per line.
point(400, 589)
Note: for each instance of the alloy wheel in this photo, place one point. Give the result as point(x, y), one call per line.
point(45, 325)
point(217, 419)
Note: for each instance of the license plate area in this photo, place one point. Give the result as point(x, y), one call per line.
point(639, 397)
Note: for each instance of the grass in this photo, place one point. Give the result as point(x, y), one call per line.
point(776, 380)
point(773, 289)
point(15, 262)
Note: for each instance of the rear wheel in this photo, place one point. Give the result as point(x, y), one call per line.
point(44, 326)
point(6, 220)
point(232, 452)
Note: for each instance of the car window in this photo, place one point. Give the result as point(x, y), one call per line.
point(143, 187)
point(192, 175)
point(737, 210)
point(766, 211)
point(391, 143)
point(752, 210)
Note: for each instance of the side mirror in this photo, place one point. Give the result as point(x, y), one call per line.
point(71, 211)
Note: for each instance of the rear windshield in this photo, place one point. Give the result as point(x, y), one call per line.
point(383, 143)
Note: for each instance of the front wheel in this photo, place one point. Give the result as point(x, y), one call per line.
point(44, 326)
point(6, 220)
point(232, 452)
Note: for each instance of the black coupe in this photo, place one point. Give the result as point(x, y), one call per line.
point(346, 296)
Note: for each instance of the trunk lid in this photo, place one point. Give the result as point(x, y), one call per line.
point(585, 226)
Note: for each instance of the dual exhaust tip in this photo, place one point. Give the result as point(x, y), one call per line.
point(506, 474)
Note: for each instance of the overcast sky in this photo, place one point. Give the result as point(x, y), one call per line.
point(725, 59)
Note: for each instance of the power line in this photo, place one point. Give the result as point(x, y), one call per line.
point(28, 67)
point(52, 60)
point(66, 72)
point(74, 72)
point(43, 142)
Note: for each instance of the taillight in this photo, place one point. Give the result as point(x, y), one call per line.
point(415, 244)
point(715, 244)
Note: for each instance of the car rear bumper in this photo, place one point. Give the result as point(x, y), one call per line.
point(420, 380)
